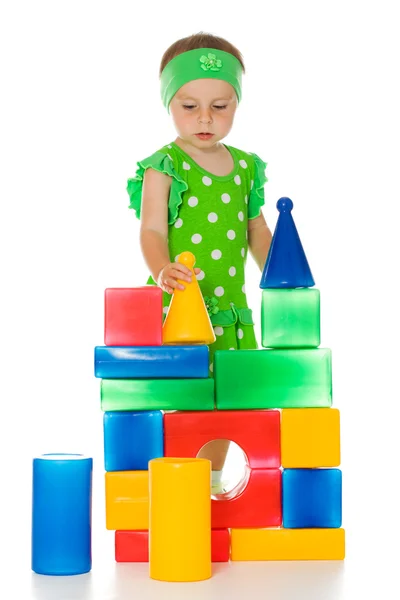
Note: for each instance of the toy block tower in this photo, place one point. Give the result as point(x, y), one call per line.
point(145, 372)
point(275, 403)
point(294, 375)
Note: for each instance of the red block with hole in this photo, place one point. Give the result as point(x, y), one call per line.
point(255, 502)
point(257, 432)
point(133, 546)
point(133, 316)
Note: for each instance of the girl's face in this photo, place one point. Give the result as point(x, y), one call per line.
point(204, 106)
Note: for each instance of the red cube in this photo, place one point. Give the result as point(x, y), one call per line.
point(133, 316)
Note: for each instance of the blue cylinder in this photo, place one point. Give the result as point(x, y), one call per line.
point(61, 514)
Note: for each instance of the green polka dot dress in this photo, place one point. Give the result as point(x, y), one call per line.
point(208, 215)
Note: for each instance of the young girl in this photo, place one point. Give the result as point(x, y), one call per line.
point(201, 195)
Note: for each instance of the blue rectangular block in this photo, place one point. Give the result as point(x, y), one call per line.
point(131, 439)
point(312, 498)
point(151, 362)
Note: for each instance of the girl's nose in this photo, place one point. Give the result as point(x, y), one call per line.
point(205, 117)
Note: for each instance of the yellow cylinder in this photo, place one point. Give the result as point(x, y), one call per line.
point(180, 519)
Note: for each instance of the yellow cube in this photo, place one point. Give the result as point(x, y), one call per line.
point(287, 544)
point(310, 437)
point(127, 500)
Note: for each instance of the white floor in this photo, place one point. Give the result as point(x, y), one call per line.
point(371, 568)
point(349, 580)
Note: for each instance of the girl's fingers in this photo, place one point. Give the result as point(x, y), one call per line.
point(174, 284)
point(182, 269)
point(197, 271)
point(167, 288)
point(181, 275)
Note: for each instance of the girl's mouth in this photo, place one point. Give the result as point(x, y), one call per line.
point(204, 136)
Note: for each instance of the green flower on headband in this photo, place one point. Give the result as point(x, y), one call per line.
point(211, 305)
point(210, 62)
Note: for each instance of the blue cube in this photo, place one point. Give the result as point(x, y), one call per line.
point(131, 439)
point(312, 498)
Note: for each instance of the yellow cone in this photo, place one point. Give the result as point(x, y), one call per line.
point(187, 320)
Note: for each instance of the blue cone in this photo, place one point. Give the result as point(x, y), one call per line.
point(286, 265)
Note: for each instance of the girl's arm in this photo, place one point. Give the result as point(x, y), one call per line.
point(260, 238)
point(154, 232)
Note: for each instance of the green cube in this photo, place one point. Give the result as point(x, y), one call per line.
point(290, 318)
point(157, 394)
point(249, 379)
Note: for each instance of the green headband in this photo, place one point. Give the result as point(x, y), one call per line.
point(201, 63)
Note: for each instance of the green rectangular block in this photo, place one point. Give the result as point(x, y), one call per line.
point(157, 394)
point(247, 379)
point(290, 318)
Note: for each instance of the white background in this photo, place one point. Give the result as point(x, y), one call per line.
point(79, 106)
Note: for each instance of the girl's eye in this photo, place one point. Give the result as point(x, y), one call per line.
point(189, 107)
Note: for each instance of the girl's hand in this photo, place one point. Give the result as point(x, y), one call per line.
point(168, 277)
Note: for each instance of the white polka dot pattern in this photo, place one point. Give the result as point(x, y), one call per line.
point(178, 223)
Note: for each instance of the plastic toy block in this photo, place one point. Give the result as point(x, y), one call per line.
point(310, 438)
point(133, 546)
point(220, 545)
point(61, 514)
point(312, 498)
point(256, 432)
point(180, 519)
point(152, 362)
point(287, 544)
point(273, 378)
point(157, 394)
point(187, 320)
point(286, 265)
point(131, 439)
point(290, 318)
point(254, 502)
point(133, 316)
point(127, 500)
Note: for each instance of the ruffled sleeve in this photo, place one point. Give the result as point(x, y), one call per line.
point(256, 199)
point(160, 162)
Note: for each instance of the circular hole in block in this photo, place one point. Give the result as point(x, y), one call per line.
point(229, 465)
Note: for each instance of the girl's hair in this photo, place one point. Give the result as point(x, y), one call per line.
point(199, 40)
